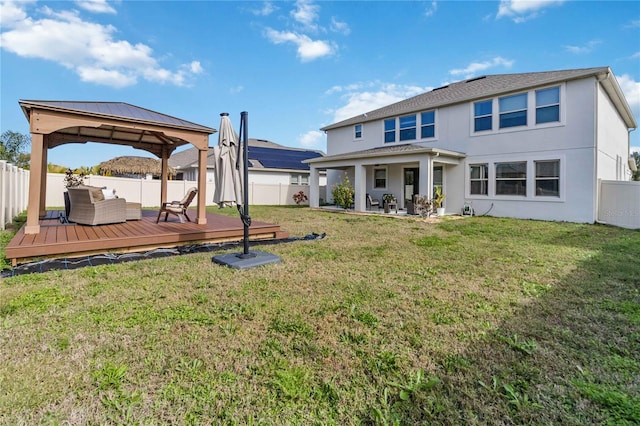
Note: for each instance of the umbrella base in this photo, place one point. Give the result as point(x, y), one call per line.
point(242, 261)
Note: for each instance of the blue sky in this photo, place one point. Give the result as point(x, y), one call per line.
point(294, 66)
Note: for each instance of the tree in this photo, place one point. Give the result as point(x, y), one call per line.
point(636, 157)
point(13, 146)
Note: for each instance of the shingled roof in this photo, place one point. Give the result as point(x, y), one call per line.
point(476, 88)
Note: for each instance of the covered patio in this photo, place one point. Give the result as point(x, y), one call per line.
point(55, 123)
point(414, 167)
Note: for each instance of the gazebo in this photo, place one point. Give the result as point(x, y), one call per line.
point(55, 123)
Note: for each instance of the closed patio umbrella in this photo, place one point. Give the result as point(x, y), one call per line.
point(228, 179)
point(232, 175)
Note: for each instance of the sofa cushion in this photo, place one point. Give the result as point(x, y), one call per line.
point(96, 193)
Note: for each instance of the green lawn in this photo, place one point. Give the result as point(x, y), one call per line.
point(385, 321)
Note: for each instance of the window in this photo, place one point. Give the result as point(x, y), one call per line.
point(428, 124)
point(390, 130)
point(479, 179)
point(511, 178)
point(548, 178)
point(483, 115)
point(299, 179)
point(357, 131)
point(548, 105)
point(380, 178)
point(408, 127)
point(513, 111)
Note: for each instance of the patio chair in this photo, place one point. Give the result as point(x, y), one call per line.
point(178, 208)
point(372, 201)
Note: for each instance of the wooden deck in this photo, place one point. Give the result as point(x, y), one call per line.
point(71, 240)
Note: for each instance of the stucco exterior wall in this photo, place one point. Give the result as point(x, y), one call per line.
point(590, 140)
point(612, 141)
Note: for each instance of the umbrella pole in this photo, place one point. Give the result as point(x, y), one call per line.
point(244, 213)
point(245, 259)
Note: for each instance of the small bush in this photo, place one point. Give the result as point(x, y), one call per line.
point(343, 193)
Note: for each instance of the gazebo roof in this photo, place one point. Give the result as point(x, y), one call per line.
point(110, 122)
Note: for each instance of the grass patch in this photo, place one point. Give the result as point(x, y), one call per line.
point(385, 321)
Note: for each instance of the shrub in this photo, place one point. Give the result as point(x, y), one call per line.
point(300, 197)
point(343, 193)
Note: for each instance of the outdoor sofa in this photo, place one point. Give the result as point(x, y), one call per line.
point(89, 206)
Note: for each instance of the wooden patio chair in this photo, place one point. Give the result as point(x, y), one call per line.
point(178, 208)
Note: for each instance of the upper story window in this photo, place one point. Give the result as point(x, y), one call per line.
point(428, 124)
point(511, 178)
point(513, 110)
point(390, 130)
point(479, 179)
point(548, 105)
point(357, 131)
point(408, 127)
point(483, 115)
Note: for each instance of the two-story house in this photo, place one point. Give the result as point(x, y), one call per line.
point(530, 145)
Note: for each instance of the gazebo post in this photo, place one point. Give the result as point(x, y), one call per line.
point(35, 181)
point(164, 173)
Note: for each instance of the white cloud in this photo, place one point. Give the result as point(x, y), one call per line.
point(96, 6)
point(12, 12)
point(579, 50)
point(360, 98)
point(339, 27)
point(267, 9)
point(307, 49)
point(473, 68)
point(311, 139)
point(631, 90)
point(523, 10)
point(306, 13)
point(431, 10)
point(92, 53)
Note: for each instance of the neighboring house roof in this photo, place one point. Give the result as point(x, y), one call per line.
point(120, 110)
point(263, 154)
point(492, 85)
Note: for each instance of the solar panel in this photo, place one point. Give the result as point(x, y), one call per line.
point(274, 158)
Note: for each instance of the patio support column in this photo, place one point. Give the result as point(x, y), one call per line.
point(314, 187)
point(35, 180)
point(425, 177)
point(202, 186)
point(360, 187)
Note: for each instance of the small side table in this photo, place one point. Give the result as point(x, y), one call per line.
point(391, 205)
point(134, 211)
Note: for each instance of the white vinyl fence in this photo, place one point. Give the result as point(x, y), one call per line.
point(147, 192)
point(619, 204)
point(14, 192)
